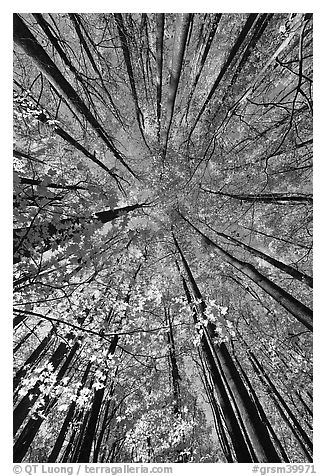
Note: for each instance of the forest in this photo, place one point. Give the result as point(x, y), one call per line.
point(162, 237)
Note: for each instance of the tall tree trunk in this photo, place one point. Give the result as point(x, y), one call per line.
point(22, 409)
point(275, 198)
point(24, 38)
point(19, 319)
point(34, 358)
point(290, 419)
point(104, 423)
point(72, 456)
point(44, 118)
point(179, 46)
point(160, 18)
point(53, 233)
point(68, 419)
point(302, 277)
point(301, 312)
point(127, 57)
point(217, 414)
point(260, 27)
point(174, 365)
point(202, 55)
point(69, 448)
point(33, 182)
point(26, 337)
point(240, 445)
point(236, 47)
point(255, 428)
point(32, 426)
point(86, 446)
point(262, 413)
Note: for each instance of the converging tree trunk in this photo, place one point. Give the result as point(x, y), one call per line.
point(34, 358)
point(284, 409)
point(43, 236)
point(304, 278)
point(86, 446)
point(31, 428)
point(179, 46)
point(159, 66)
point(235, 48)
point(274, 198)
point(24, 38)
point(68, 420)
point(301, 312)
point(221, 362)
point(174, 365)
point(128, 62)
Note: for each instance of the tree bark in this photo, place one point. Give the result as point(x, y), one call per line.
point(22, 409)
point(34, 358)
point(217, 415)
point(220, 356)
point(240, 445)
point(31, 428)
point(262, 414)
point(44, 118)
point(33, 182)
point(86, 446)
point(128, 62)
point(160, 18)
point(274, 198)
point(174, 365)
point(68, 419)
point(24, 38)
point(236, 47)
point(301, 312)
point(52, 233)
point(291, 420)
point(25, 338)
point(302, 277)
point(260, 27)
point(179, 47)
point(203, 56)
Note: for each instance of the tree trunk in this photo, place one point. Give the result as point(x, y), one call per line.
point(19, 319)
point(128, 62)
point(295, 426)
point(240, 445)
point(68, 419)
point(59, 233)
point(45, 117)
point(34, 358)
point(275, 198)
point(236, 47)
point(217, 415)
point(179, 46)
point(31, 428)
point(301, 312)
point(302, 277)
point(24, 38)
point(86, 446)
point(255, 428)
point(260, 27)
point(202, 57)
point(32, 182)
point(262, 413)
point(104, 426)
point(22, 409)
point(174, 365)
point(72, 456)
point(26, 337)
point(159, 66)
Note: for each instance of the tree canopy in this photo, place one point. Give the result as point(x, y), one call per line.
point(163, 237)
